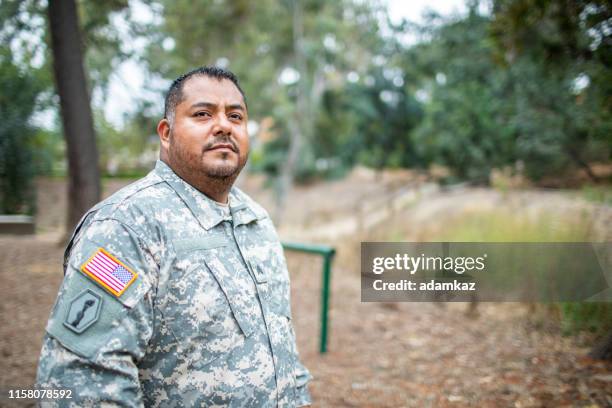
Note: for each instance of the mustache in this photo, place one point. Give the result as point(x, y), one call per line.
point(221, 141)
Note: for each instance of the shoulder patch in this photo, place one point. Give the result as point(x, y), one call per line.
point(83, 311)
point(109, 272)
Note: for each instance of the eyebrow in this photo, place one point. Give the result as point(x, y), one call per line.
point(233, 106)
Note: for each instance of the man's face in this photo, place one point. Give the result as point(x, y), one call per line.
point(208, 136)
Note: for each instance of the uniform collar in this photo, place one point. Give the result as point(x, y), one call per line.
point(207, 211)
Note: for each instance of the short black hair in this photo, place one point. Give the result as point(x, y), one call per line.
point(175, 92)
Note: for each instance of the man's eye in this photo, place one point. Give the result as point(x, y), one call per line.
point(202, 114)
point(236, 116)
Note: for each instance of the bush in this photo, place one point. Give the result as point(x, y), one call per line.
point(17, 137)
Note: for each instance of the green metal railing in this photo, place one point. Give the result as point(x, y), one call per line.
point(328, 255)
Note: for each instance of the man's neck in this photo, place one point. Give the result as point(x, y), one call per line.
point(214, 188)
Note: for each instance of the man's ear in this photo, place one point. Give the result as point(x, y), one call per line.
point(163, 131)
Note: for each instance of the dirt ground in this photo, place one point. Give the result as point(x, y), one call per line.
point(380, 354)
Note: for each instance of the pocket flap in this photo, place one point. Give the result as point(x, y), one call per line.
point(259, 272)
point(244, 307)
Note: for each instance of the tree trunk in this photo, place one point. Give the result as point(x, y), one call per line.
point(297, 127)
point(285, 181)
point(603, 350)
point(575, 156)
point(83, 172)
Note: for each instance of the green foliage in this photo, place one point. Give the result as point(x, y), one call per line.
point(17, 137)
point(559, 56)
point(25, 42)
point(597, 194)
point(368, 124)
point(101, 41)
point(467, 100)
point(128, 151)
point(593, 317)
point(514, 87)
point(25, 28)
point(526, 87)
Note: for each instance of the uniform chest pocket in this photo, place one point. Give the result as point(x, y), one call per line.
point(209, 305)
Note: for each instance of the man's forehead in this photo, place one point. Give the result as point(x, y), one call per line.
point(216, 90)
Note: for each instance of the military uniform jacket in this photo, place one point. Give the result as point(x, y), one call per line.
point(198, 313)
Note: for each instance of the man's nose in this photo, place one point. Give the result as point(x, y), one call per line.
point(222, 125)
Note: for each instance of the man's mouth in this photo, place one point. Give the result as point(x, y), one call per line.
point(221, 146)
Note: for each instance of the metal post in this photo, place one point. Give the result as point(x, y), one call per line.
point(325, 300)
point(328, 255)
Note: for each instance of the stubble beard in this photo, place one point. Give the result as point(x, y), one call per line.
point(195, 170)
point(220, 171)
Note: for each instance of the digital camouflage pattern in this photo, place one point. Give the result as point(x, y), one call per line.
point(207, 322)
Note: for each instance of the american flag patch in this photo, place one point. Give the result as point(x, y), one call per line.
point(109, 272)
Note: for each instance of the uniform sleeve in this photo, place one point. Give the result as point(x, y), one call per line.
point(302, 377)
point(102, 319)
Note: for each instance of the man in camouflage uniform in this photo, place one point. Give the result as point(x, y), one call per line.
point(176, 291)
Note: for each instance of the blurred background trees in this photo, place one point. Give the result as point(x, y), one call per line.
point(519, 86)
point(18, 142)
point(560, 55)
point(516, 84)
